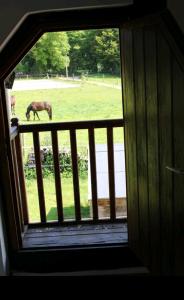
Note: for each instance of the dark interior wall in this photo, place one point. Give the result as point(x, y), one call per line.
point(153, 67)
point(176, 7)
point(13, 14)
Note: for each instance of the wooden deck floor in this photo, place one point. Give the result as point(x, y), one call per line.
point(78, 235)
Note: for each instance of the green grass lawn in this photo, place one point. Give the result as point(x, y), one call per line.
point(50, 198)
point(113, 80)
point(87, 102)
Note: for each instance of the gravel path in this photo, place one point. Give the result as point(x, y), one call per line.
point(42, 84)
point(39, 84)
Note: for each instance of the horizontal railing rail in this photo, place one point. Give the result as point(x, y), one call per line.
point(71, 125)
point(72, 128)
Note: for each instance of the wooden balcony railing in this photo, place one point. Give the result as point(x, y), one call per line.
point(72, 128)
point(18, 188)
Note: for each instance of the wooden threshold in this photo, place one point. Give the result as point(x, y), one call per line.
point(76, 235)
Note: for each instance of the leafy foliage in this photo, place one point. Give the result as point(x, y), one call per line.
point(49, 54)
point(65, 163)
point(82, 51)
point(107, 50)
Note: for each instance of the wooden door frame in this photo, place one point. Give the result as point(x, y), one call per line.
point(25, 37)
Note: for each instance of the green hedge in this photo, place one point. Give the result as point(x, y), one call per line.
point(48, 164)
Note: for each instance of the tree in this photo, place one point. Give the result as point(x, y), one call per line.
point(74, 52)
point(107, 50)
point(82, 51)
point(49, 54)
point(95, 50)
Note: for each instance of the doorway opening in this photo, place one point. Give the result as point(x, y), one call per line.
point(71, 156)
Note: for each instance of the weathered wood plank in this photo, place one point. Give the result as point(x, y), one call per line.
point(93, 173)
point(141, 131)
point(57, 176)
point(110, 154)
point(78, 228)
point(36, 143)
point(165, 150)
point(71, 233)
point(96, 234)
point(85, 241)
point(152, 145)
point(73, 142)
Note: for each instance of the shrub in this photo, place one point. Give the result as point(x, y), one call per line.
point(65, 162)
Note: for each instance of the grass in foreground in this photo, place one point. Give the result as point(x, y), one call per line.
point(50, 200)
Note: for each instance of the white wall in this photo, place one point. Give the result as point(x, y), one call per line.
point(102, 172)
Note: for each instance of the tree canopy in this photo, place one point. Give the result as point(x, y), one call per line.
point(91, 51)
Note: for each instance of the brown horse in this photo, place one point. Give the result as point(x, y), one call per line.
point(13, 101)
point(39, 106)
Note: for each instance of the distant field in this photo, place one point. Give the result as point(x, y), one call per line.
point(105, 79)
point(86, 102)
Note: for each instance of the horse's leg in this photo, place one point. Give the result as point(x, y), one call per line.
point(48, 113)
point(12, 110)
point(37, 115)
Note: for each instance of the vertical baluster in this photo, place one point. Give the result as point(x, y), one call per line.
point(22, 179)
point(93, 173)
point(36, 142)
point(111, 173)
point(57, 176)
point(75, 174)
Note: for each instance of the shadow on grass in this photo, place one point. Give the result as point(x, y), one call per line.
point(69, 213)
